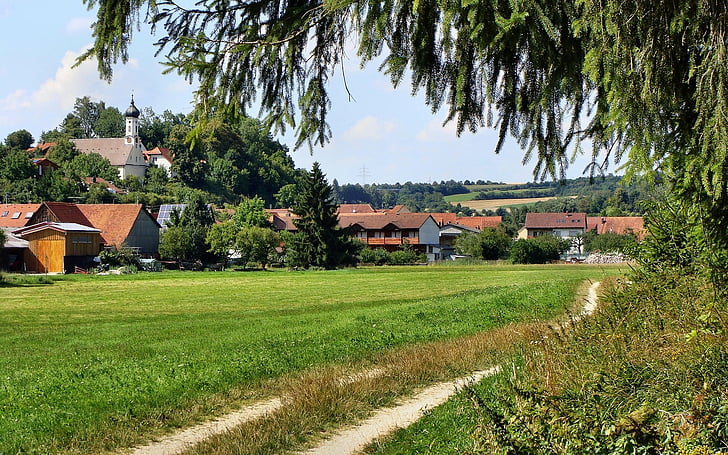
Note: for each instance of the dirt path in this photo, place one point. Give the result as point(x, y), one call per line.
point(348, 441)
point(351, 441)
point(387, 420)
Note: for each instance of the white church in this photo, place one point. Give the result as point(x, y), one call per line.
point(125, 153)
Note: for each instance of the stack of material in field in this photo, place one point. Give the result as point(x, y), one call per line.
point(606, 258)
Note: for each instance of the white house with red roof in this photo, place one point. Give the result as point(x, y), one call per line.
point(392, 231)
point(160, 157)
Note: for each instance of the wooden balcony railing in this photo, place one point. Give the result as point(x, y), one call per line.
point(390, 241)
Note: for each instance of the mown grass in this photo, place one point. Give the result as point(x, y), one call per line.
point(91, 363)
point(647, 374)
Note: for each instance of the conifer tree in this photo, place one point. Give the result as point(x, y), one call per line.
point(319, 241)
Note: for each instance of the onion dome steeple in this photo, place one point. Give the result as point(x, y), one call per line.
point(132, 110)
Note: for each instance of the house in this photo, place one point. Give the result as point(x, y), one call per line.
point(59, 247)
point(449, 233)
point(476, 222)
point(110, 187)
point(160, 157)
point(356, 208)
point(621, 225)
point(391, 231)
point(282, 219)
point(567, 226)
point(125, 225)
point(120, 225)
point(41, 149)
point(125, 153)
point(44, 165)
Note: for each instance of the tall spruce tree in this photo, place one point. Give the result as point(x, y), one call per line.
point(319, 241)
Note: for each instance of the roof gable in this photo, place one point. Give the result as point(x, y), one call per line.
point(555, 220)
point(64, 212)
point(617, 224)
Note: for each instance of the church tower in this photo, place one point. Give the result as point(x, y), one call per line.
point(132, 124)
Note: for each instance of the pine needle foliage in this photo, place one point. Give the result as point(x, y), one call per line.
point(319, 242)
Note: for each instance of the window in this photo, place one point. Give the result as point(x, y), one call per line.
point(16, 215)
point(5, 213)
point(29, 215)
point(81, 239)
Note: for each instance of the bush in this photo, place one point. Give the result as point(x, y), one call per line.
point(377, 256)
point(119, 257)
point(538, 250)
point(610, 242)
point(405, 255)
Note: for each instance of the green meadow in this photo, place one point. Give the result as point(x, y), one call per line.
point(93, 363)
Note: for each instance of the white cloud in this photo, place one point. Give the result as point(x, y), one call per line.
point(435, 131)
point(15, 100)
point(369, 128)
point(62, 90)
point(79, 25)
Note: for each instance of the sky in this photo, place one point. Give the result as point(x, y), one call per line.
point(380, 135)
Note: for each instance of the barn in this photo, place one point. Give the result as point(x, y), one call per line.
point(59, 247)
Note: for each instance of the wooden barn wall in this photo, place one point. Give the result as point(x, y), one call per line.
point(47, 249)
point(82, 244)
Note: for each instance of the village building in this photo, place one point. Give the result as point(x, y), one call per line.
point(160, 157)
point(126, 154)
point(59, 247)
point(120, 225)
point(621, 225)
point(391, 232)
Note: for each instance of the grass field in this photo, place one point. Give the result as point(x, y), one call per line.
point(493, 204)
point(91, 363)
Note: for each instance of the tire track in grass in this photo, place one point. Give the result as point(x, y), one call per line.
point(385, 421)
point(352, 439)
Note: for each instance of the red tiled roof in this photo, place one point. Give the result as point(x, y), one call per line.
point(379, 220)
point(282, 219)
point(16, 215)
point(477, 222)
point(163, 151)
point(43, 147)
point(106, 183)
point(45, 162)
point(356, 208)
point(396, 209)
point(617, 224)
point(66, 212)
point(555, 220)
point(114, 220)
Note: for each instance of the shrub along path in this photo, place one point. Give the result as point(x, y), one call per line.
point(349, 440)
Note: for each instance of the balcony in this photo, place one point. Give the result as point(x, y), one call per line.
point(373, 241)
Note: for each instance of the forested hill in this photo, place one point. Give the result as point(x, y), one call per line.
point(606, 195)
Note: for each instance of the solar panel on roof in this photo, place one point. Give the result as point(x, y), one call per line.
point(165, 212)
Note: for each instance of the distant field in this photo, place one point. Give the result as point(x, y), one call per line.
point(492, 204)
point(90, 363)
